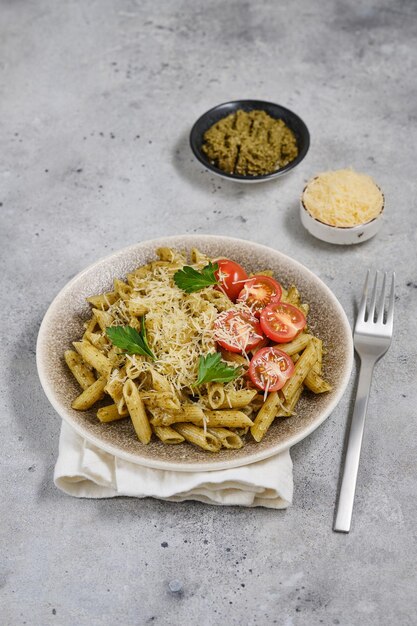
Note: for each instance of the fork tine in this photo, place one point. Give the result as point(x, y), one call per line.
point(390, 313)
point(381, 302)
point(371, 312)
point(362, 305)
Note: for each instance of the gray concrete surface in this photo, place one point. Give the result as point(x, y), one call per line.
point(97, 99)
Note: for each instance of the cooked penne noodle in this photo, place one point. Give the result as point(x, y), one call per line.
point(134, 366)
point(110, 413)
point(232, 357)
point(228, 438)
point(90, 325)
point(167, 435)
point(90, 396)
point(221, 418)
point(104, 318)
point(288, 408)
point(93, 357)
point(302, 367)
point(317, 367)
point(122, 289)
point(171, 256)
point(114, 386)
point(137, 411)
point(293, 296)
point(227, 418)
point(198, 257)
point(238, 398)
point(216, 395)
point(265, 416)
point(134, 323)
point(159, 382)
point(96, 339)
point(315, 382)
point(198, 437)
point(136, 308)
point(104, 301)
point(83, 375)
point(296, 345)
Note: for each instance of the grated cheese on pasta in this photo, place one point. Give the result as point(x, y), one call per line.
point(179, 325)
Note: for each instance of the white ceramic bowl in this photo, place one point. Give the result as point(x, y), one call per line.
point(344, 236)
point(63, 323)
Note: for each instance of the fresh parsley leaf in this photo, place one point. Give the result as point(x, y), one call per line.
point(191, 280)
point(130, 340)
point(212, 369)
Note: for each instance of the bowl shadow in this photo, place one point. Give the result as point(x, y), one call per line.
point(200, 177)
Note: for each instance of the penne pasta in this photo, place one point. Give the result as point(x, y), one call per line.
point(228, 438)
point(90, 396)
point(168, 435)
point(104, 301)
point(266, 416)
point(216, 395)
point(122, 289)
point(136, 308)
point(198, 437)
point(229, 418)
point(238, 398)
point(110, 413)
point(137, 412)
point(104, 318)
point(316, 383)
point(302, 367)
point(91, 355)
point(296, 345)
point(83, 375)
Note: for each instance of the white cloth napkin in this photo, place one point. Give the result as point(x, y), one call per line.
point(84, 471)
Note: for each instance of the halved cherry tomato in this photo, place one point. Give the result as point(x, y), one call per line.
point(260, 291)
point(270, 368)
point(282, 322)
point(237, 331)
point(230, 275)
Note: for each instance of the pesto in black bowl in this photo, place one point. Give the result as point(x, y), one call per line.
point(276, 111)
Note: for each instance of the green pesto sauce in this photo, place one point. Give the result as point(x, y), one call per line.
point(250, 143)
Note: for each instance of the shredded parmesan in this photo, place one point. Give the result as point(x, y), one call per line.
point(179, 325)
point(343, 198)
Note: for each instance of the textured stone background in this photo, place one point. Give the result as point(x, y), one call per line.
point(97, 99)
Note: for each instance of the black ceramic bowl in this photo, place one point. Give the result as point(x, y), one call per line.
point(220, 111)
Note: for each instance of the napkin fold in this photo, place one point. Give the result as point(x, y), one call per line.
point(84, 471)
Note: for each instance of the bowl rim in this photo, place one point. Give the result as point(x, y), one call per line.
point(342, 229)
point(42, 350)
point(261, 177)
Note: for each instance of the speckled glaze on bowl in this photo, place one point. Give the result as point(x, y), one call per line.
point(63, 321)
point(340, 235)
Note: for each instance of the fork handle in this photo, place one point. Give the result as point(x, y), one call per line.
point(353, 450)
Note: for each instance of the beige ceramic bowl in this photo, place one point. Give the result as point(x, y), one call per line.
point(63, 321)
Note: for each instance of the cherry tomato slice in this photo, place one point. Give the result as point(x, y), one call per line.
point(260, 291)
point(230, 275)
point(237, 331)
point(282, 322)
point(270, 368)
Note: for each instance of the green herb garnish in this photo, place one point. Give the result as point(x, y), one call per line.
point(191, 280)
point(130, 340)
point(212, 369)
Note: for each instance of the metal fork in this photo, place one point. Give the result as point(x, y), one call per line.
point(371, 338)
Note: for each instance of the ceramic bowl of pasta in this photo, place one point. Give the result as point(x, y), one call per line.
point(195, 353)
